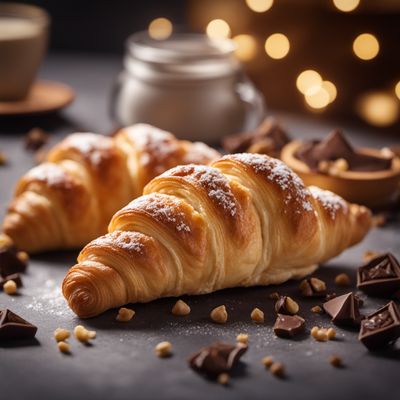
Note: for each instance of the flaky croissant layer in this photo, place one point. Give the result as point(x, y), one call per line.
point(245, 220)
point(69, 200)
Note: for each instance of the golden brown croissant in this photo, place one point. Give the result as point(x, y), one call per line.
point(246, 220)
point(69, 200)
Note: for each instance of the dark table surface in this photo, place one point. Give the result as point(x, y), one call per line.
point(121, 364)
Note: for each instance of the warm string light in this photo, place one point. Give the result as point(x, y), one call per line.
point(366, 46)
point(277, 46)
point(378, 108)
point(160, 28)
point(346, 5)
point(218, 29)
point(307, 80)
point(246, 47)
point(259, 6)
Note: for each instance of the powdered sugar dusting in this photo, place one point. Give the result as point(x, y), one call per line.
point(163, 208)
point(278, 172)
point(130, 241)
point(50, 173)
point(329, 200)
point(200, 153)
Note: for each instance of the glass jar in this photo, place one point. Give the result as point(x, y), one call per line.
point(188, 85)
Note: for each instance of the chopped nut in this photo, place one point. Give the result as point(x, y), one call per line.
point(274, 296)
point(10, 287)
point(180, 308)
point(83, 335)
point(125, 314)
point(23, 256)
point(3, 158)
point(286, 305)
point(323, 166)
point(314, 331)
point(369, 255)
point(336, 361)
point(318, 285)
point(257, 316)
point(322, 336)
point(342, 280)
point(316, 309)
point(242, 338)
point(35, 139)
point(267, 361)
point(223, 379)
point(219, 315)
point(338, 166)
point(277, 369)
point(61, 334)
point(163, 349)
point(331, 332)
point(63, 347)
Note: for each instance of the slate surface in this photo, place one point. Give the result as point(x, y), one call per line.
point(120, 364)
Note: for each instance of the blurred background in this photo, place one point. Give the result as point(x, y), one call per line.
point(333, 59)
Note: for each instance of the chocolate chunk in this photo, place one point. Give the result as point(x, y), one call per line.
point(13, 327)
point(269, 138)
point(287, 326)
point(381, 328)
point(217, 358)
point(10, 262)
point(13, 277)
point(312, 287)
point(380, 276)
point(35, 139)
point(336, 146)
point(344, 310)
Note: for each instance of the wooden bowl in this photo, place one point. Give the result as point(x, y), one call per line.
point(373, 189)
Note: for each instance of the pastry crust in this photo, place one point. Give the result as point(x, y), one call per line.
point(245, 220)
point(69, 200)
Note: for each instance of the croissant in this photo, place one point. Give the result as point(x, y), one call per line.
point(245, 220)
point(69, 200)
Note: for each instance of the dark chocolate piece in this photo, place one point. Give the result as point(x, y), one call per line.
point(312, 287)
point(217, 358)
point(13, 277)
point(380, 276)
point(35, 139)
point(381, 328)
point(336, 146)
point(268, 138)
point(287, 326)
point(10, 263)
point(344, 310)
point(13, 327)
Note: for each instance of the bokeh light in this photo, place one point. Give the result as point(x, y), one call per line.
point(330, 89)
point(277, 46)
point(259, 6)
point(218, 29)
point(378, 108)
point(246, 47)
point(317, 99)
point(307, 80)
point(366, 46)
point(397, 90)
point(346, 5)
point(160, 28)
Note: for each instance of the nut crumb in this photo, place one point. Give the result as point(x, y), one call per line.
point(61, 334)
point(223, 379)
point(10, 287)
point(125, 314)
point(323, 334)
point(219, 315)
point(181, 308)
point(316, 309)
point(331, 332)
point(163, 349)
point(342, 280)
point(242, 338)
point(267, 361)
point(257, 316)
point(83, 335)
point(277, 369)
point(336, 361)
point(63, 347)
point(23, 256)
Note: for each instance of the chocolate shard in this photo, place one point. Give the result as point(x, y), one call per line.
point(10, 263)
point(217, 358)
point(336, 146)
point(381, 328)
point(13, 327)
point(344, 310)
point(288, 326)
point(380, 276)
point(13, 277)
